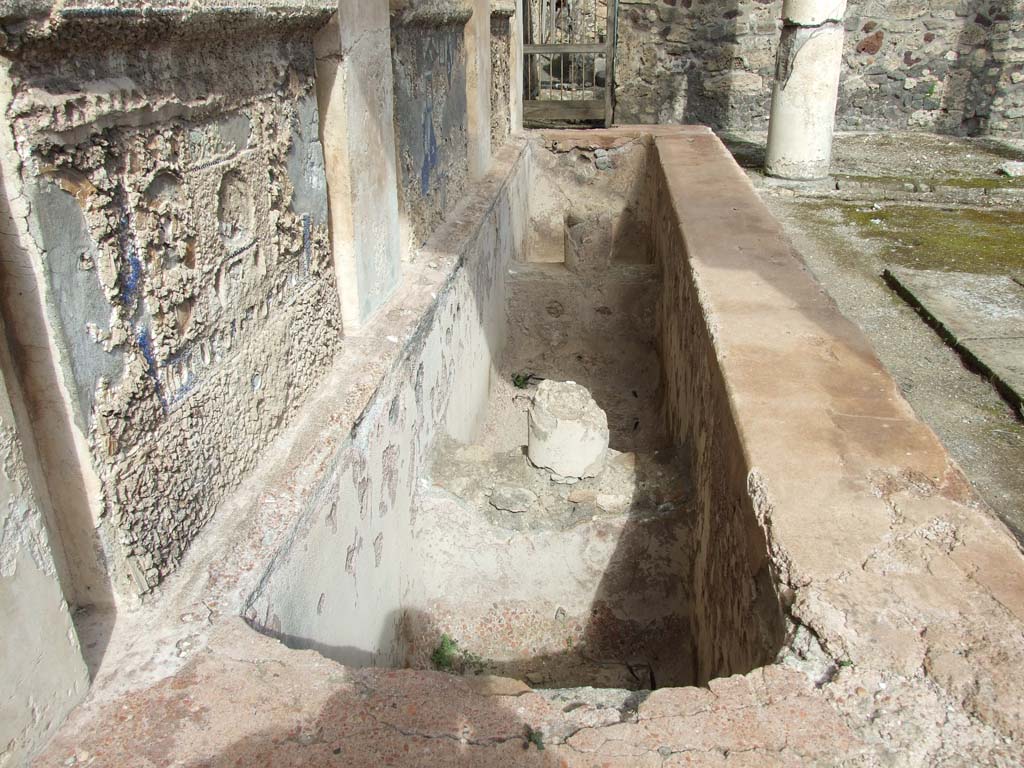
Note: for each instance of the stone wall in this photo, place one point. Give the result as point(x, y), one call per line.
point(737, 622)
point(952, 65)
point(948, 66)
point(174, 259)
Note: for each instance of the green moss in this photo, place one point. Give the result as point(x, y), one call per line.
point(960, 182)
point(883, 181)
point(521, 380)
point(925, 237)
point(999, 410)
point(535, 737)
point(984, 182)
point(999, 149)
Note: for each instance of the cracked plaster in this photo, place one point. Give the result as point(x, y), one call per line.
point(180, 233)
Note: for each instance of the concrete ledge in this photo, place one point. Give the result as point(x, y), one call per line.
point(433, 13)
point(503, 8)
point(28, 23)
point(852, 489)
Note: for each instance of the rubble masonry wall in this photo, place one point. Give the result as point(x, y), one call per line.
point(953, 65)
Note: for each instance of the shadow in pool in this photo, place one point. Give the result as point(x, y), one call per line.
point(352, 731)
point(570, 595)
point(349, 655)
point(377, 716)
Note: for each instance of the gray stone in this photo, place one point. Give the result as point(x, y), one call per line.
point(568, 432)
point(510, 499)
point(1013, 169)
point(306, 163)
point(978, 315)
point(79, 299)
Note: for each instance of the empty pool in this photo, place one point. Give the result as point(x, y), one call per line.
point(433, 541)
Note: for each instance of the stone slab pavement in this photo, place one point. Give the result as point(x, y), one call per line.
point(981, 316)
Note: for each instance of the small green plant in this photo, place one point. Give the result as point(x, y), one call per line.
point(445, 655)
point(448, 657)
point(521, 380)
point(535, 737)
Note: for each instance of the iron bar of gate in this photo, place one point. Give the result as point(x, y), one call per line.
point(564, 40)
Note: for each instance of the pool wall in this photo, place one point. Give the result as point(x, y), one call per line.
point(336, 585)
point(737, 622)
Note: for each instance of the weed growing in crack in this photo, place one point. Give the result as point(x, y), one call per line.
point(444, 656)
point(448, 657)
point(471, 662)
point(522, 380)
point(535, 737)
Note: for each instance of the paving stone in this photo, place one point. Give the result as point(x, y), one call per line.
point(981, 316)
point(1013, 169)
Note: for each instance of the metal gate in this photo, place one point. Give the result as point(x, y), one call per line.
point(568, 61)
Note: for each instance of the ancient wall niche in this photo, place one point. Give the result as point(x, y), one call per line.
point(431, 123)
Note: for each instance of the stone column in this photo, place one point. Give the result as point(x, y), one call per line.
point(806, 89)
point(516, 70)
point(356, 103)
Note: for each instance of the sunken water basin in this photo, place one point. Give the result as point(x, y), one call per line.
point(431, 540)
